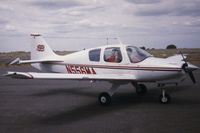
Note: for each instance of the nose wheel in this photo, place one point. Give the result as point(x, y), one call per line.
point(164, 98)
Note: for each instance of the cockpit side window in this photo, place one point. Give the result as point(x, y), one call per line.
point(94, 55)
point(113, 54)
point(136, 54)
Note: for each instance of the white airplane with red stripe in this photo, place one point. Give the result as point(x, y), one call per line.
point(119, 64)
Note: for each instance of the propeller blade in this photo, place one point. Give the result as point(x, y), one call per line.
point(192, 77)
point(184, 59)
point(187, 69)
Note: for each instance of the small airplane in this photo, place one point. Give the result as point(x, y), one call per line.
point(119, 64)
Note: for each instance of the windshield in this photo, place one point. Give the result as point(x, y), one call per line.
point(136, 54)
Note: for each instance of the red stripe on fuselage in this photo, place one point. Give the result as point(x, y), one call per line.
point(128, 67)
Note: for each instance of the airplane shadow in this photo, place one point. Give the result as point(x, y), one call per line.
point(90, 110)
point(119, 101)
point(63, 91)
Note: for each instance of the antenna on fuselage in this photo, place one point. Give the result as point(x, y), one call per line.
point(107, 39)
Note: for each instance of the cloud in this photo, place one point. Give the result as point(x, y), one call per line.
point(3, 22)
point(187, 9)
point(143, 1)
point(133, 20)
point(152, 12)
point(189, 23)
point(9, 27)
point(5, 7)
point(54, 4)
point(170, 8)
point(92, 24)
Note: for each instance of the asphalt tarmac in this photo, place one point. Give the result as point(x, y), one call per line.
point(52, 106)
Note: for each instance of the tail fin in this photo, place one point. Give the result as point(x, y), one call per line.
point(39, 48)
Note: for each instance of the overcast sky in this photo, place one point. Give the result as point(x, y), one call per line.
point(78, 24)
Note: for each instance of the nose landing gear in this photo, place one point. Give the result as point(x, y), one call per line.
point(164, 97)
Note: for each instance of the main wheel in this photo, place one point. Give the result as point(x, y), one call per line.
point(104, 98)
point(165, 99)
point(141, 89)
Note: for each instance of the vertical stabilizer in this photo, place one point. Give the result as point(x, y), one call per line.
point(39, 48)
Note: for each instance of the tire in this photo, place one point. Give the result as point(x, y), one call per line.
point(104, 98)
point(166, 99)
point(141, 89)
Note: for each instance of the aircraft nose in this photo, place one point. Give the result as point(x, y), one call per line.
point(189, 68)
point(192, 67)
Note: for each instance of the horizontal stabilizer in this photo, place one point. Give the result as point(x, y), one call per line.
point(18, 61)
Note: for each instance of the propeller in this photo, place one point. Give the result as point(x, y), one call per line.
point(192, 77)
point(187, 69)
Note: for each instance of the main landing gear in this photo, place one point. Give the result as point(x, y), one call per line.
point(105, 97)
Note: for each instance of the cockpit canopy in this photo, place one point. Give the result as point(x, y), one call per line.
point(113, 54)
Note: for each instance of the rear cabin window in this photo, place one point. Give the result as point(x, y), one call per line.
point(112, 55)
point(94, 55)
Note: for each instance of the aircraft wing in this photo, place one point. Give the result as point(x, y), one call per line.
point(35, 75)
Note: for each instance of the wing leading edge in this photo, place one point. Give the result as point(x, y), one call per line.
point(35, 75)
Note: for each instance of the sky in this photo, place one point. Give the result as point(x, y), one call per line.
point(70, 25)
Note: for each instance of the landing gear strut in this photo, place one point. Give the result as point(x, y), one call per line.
point(164, 97)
